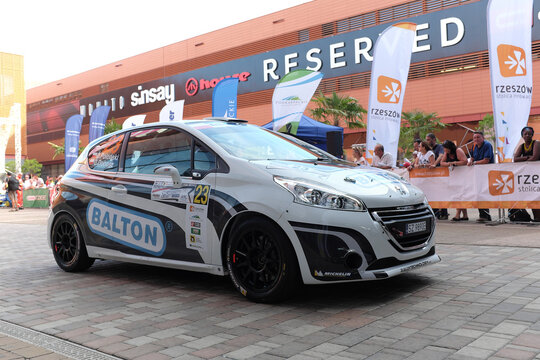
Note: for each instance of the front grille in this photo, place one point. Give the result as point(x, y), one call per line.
point(410, 226)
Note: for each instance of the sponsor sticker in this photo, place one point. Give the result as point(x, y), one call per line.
point(319, 273)
point(127, 227)
point(412, 267)
point(196, 213)
point(164, 191)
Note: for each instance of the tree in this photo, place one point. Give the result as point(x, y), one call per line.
point(60, 149)
point(336, 109)
point(111, 126)
point(486, 125)
point(417, 124)
point(31, 166)
point(10, 166)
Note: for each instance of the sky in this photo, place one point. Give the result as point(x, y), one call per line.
point(60, 38)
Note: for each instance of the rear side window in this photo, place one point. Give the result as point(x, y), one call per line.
point(203, 159)
point(150, 148)
point(105, 155)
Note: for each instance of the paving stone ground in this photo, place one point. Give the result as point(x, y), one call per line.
point(481, 302)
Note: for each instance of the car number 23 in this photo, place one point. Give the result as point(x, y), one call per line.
point(201, 194)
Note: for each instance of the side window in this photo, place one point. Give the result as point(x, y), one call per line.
point(150, 148)
point(204, 159)
point(104, 156)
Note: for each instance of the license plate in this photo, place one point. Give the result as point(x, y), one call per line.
point(416, 227)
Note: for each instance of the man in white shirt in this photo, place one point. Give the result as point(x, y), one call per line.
point(381, 159)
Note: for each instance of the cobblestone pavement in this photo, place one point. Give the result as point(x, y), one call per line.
point(481, 302)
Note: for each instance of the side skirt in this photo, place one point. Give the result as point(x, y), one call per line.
point(102, 253)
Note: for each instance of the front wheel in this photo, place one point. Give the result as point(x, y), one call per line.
point(261, 261)
point(68, 245)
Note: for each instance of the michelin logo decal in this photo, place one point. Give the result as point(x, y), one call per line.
point(131, 228)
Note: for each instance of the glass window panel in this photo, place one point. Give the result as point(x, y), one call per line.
point(151, 148)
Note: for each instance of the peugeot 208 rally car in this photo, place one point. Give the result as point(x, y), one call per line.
point(228, 198)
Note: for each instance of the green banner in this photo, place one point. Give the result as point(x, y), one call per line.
point(36, 198)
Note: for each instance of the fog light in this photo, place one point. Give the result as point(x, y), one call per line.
point(353, 260)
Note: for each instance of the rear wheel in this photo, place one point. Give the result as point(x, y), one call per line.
point(261, 261)
point(68, 245)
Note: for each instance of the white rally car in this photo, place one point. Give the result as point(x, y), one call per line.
point(228, 198)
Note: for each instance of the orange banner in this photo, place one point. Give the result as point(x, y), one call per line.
point(427, 173)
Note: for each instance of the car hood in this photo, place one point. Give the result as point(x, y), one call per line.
point(376, 188)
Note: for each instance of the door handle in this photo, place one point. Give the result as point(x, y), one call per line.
point(119, 189)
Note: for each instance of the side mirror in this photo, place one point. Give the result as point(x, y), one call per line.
point(169, 170)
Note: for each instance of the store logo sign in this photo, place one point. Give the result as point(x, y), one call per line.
point(146, 96)
point(511, 60)
point(193, 86)
point(388, 90)
point(501, 182)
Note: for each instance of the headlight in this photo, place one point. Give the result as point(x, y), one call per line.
point(318, 196)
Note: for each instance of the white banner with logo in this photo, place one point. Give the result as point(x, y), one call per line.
point(389, 72)
point(509, 40)
point(291, 96)
point(172, 111)
point(134, 120)
point(491, 186)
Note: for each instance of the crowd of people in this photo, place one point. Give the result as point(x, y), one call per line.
point(15, 185)
point(430, 154)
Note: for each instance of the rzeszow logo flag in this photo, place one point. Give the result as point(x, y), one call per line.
point(389, 71)
point(509, 39)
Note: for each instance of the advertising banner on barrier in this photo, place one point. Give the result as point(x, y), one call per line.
point(97, 122)
point(224, 98)
point(391, 62)
point(172, 111)
point(36, 198)
point(291, 96)
point(510, 64)
point(503, 185)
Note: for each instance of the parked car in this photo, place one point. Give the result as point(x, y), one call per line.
point(228, 198)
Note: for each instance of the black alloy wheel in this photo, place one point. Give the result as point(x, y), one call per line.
point(261, 261)
point(68, 246)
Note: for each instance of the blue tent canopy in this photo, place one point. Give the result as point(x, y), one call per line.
point(312, 131)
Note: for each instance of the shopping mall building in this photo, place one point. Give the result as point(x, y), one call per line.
point(449, 73)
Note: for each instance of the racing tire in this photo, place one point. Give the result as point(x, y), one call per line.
point(68, 245)
point(262, 262)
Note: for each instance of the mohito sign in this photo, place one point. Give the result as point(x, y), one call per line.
point(193, 86)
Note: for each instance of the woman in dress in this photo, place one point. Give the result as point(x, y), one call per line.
point(454, 156)
point(425, 157)
point(528, 151)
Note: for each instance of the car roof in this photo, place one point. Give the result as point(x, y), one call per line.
point(180, 123)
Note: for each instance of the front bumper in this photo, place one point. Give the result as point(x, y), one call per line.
point(360, 245)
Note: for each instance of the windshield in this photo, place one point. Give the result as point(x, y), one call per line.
point(253, 143)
